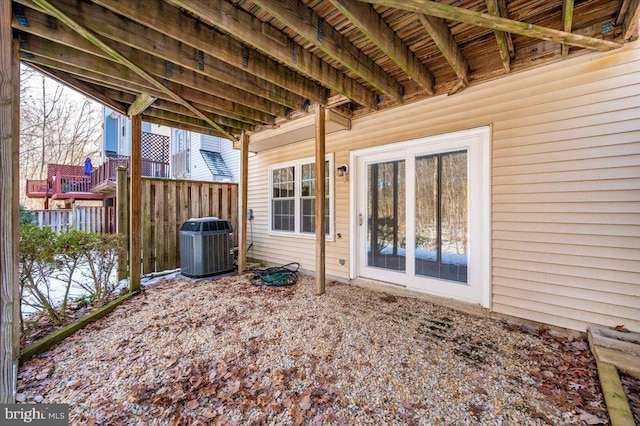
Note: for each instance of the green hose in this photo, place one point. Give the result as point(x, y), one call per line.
point(278, 276)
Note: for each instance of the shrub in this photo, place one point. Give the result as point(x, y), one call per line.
point(77, 259)
point(37, 261)
point(26, 216)
point(101, 253)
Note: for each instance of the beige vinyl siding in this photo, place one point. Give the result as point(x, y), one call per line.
point(565, 170)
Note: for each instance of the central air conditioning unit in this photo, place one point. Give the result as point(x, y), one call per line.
point(206, 247)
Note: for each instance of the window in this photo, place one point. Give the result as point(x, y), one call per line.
point(293, 196)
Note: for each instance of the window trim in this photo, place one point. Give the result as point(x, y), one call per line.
point(297, 167)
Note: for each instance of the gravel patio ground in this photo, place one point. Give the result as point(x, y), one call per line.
point(224, 351)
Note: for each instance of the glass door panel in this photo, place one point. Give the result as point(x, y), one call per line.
point(441, 216)
point(386, 227)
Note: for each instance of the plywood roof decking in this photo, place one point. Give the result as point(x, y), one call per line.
point(223, 67)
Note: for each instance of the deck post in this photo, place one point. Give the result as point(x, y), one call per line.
point(135, 204)
point(242, 221)
point(320, 199)
point(122, 216)
point(9, 196)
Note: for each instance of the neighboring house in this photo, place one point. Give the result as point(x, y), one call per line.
point(116, 135)
point(519, 195)
point(203, 157)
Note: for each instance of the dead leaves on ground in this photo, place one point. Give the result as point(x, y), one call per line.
point(208, 392)
point(568, 378)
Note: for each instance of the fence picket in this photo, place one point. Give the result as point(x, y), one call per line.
point(88, 219)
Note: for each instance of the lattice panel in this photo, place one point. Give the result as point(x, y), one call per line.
point(63, 169)
point(155, 147)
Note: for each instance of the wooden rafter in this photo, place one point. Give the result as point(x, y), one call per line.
point(82, 87)
point(169, 21)
point(622, 11)
point(116, 77)
point(489, 21)
point(378, 31)
point(567, 21)
point(111, 73)
point(501, 36)
point(215, 114)
point(443, 38)
point(631, 18)
point(179, 119)
point(54, 11)
point(246, 27)
point(504, 12)
point(224, 80)
point(222, 120)
point(182, 126)
point(311, 27)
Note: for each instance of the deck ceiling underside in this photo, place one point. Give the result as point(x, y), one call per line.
point(222, 67)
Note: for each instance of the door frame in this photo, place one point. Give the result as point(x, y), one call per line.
point(483, 145)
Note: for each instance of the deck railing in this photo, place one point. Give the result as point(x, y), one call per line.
point(65, 184)
point(105, 174)
point(38, 188)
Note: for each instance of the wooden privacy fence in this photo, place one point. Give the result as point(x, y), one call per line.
point(166, 205)
point(90, 219)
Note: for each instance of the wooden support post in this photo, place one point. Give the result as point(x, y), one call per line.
point(242, 220)
point(9, 141)
point(122, 216)
point(135, 204)
point(320, 199)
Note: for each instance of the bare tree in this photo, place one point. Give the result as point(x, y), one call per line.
point(58, 125)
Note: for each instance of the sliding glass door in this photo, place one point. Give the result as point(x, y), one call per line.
point(386, 228)
point(420, 215)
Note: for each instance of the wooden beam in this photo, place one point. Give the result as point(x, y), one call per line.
point(54, 11)
point(217, 47)
point(79, 86)
point(442, 10)
point(242, 222)
point(161, 104)
point(105, 83)
point(160, 107)
point(45, 343)
point(310, 26)
point(145, 47)
point(181, 126)
point(504, 12)
point(567, 22)
point(378, 31)
point(631, 18)
point(443, 38)
point(46, 36)
point(622, 11)
point(9, 141)
point(501, 37)
point(190, 120)
point(229, 83)
point(122, 216)
point(320, 199)
point(192, 82)
point(244, 26)
point(135, 205)
point(141, 103)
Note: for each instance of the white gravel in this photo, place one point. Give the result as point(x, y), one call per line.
point(224, 351)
